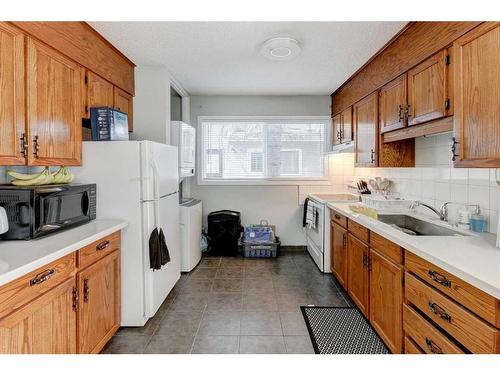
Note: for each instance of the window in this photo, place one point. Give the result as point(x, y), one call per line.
point(256, 162)
point(291, 162)
point(241, 149)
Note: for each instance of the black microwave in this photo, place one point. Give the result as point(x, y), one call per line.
point(35, 211)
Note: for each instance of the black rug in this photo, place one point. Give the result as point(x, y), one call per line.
point(341, 330)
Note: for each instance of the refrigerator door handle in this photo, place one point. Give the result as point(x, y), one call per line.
point(156, 193)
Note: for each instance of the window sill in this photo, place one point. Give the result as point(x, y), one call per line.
point(290, 182)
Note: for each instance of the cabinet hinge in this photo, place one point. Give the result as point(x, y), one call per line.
point(447, 60)
point(75, 299)
point(447, 104)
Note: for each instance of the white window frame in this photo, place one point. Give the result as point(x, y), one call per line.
point(288, 181)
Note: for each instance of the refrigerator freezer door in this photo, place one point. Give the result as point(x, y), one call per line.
point(159, 283)
point(160, 175)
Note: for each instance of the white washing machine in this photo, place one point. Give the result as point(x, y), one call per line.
point(191, 220)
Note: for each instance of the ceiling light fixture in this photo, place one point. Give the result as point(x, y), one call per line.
point(280, 48)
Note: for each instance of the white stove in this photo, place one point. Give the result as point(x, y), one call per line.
point(318, 238)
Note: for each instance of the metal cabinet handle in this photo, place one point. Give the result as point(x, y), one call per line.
point(86, 290)
point(344, 240)
point(103, 245)
point(438, 310)
point(433, 347)
point(336, 216)
point(372, 155)
point(408, 111)
point(24, 144)
point(400, 113)
point(453, 149)
point(441, 279)
point(36, 146)
point(42, 277)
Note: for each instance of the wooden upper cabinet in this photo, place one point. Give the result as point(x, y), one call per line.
point(54, 107)
point(336, 129)
point(99, 309)
point(346, 118)
point(386, 300)
point(476, 58)
point(46, 325)
point(123, 101)
point(358, 274)
point(392, 104)
point(99, 92)
point(338, 254)
point(12, 126)
point(366, 131)
point(427, 98)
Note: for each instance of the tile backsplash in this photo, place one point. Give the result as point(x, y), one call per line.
point(435, 181)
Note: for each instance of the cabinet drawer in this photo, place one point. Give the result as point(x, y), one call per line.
point(386, 247)
point(358, 230)
point(338, 218)
point(411, 347)
point(98, 249)
point(425, 335)
point(472, 332)
point(484, 305)
point(25, 289)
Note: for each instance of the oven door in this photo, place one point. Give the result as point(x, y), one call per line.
point(60, 207)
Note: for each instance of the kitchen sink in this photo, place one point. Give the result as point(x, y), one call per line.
point(416, 227)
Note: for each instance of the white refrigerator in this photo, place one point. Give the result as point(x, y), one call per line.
point(138, 181)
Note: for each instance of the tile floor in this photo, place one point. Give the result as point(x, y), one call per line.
point(236, 305)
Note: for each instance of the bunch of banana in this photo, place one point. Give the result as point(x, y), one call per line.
point(62, 176)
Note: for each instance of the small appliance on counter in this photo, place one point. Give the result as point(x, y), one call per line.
point(4, 224)
point(35, 211)
point(108, 124)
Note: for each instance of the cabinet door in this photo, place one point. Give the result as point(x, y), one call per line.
point(357, 273)
point(392, 104)
point(12, 127)
point(54, 107)
point(366, 131)
point(99, 308)
point(336, 129)
point(46, 325)
point(427, 90)
point(339, 254)
point(386, 300)
point(99, 92)
point(124, 102)
point(476, 58)
point(346, 118)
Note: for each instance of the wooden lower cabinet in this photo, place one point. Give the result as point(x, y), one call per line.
point(339, 253)
point(358, 274)
point(99, 307)
point(61, 309)
point(46, 325)
point(386, 300)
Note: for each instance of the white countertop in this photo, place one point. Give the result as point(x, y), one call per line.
point(474, 258)
point(17, 258)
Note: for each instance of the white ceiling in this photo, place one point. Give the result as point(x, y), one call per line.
point(210, 58)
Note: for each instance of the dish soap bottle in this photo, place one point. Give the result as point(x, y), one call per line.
point(478, 222)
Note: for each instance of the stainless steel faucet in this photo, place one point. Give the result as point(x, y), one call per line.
point(442, 212)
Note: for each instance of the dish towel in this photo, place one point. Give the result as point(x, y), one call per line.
point(498, 230)
point(158, 250)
